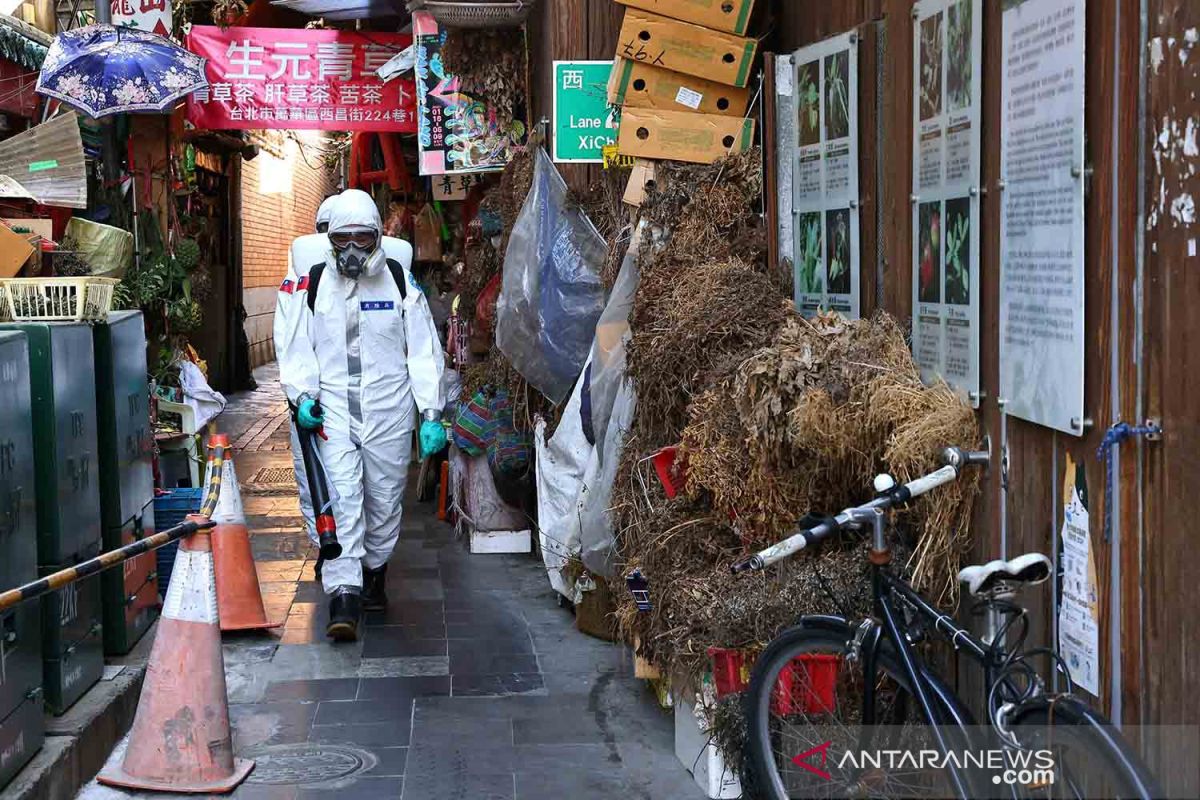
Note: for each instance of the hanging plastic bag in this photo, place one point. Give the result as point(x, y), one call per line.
point(596, 527)
point(427, 231)
point(612, 336)
point(552, 294)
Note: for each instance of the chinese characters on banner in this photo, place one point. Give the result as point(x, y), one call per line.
point(1041, 220)
point(300, 79)
point(825, 176)
point(145, 15)
point(457, 133)
point(455, 187)
point(945, 190)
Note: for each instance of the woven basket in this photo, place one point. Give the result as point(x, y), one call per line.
point(475, 15)
point(58, 299)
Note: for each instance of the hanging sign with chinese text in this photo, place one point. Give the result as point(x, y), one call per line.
point(300, 79)
point(947, 46)
point(457, 133)
point(145, 15)
point(455, 187)
point(825, 176)
point(583, 121)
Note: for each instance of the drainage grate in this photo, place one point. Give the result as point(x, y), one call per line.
point(275, 475)
point(307, 764)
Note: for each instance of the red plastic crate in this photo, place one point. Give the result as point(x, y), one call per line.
point(671, 469)
point(731, 669)
point(808, 685)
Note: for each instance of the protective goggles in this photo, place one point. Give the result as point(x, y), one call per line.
point(364, 239)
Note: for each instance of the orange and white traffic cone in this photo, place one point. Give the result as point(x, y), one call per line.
point(181, 740)
point(238, 594)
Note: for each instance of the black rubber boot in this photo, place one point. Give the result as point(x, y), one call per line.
point(345, 609)
point(375, 589)
point(317, 568)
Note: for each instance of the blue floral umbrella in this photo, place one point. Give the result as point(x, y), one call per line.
point(103, 69)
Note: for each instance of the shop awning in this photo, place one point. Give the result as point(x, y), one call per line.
point(22, 44)
point(345, 9)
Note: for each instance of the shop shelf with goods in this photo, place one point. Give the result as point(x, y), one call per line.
point(72, 641)
point(62, 387)
point(21, 720)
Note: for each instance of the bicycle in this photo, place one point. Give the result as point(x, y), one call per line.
point(828, 688)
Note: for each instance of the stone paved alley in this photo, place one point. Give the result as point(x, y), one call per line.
point(474, 685)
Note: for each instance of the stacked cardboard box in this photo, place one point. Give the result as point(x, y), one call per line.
point(680, 77)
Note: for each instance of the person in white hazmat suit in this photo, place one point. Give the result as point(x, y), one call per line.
point(362, 360)
point(309, 249)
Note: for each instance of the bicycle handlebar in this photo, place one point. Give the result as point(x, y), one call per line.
point(955, 459)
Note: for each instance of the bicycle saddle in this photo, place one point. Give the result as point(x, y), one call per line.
point(1029, 568)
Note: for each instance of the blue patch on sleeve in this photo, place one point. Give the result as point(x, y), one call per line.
point(377, 305)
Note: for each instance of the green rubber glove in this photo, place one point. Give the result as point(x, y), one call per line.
point(433, 438)
point(309, 414)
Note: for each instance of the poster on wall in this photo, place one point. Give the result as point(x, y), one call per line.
point(1041, 222)
point(947, 47)
point(300, 79)
point(825, 246)
point(1079, 598)
point(456, 132)
point(785, 137)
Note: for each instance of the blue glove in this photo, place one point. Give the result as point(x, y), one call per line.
point(309, 415)
point(433, 438)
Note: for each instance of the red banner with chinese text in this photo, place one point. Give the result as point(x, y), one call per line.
point(300, 79)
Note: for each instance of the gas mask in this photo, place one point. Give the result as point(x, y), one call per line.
point(354, 251)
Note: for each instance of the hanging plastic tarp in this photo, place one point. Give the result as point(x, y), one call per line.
point(560, 465)
point(612, 335)
point(596, 531)
point(552, 295)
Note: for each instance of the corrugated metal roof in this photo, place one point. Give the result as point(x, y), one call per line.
point(345, 9)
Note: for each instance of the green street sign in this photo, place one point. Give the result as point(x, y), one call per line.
point(583, 121)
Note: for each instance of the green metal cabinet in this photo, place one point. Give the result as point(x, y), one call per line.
point(125, 438)
point(62, 382)
point(18, 523)
point(21, 722)
point(72, 646)
point(130, 594)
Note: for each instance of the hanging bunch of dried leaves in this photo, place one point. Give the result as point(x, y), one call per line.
point(490, 65)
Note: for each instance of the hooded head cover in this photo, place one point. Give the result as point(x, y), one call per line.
point(325, 213)
point(355, 212)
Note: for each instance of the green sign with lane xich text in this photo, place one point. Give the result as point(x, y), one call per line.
point(583, 121)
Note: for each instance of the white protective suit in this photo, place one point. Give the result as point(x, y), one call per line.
point(304, 252)
point(374, 362)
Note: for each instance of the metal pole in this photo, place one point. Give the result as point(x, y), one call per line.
point(104, 11)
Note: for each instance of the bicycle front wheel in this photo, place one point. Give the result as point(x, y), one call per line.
point(804, 709)
point(1084, 756)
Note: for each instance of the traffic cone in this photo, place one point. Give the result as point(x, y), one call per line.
point(181, 740)
point(238, 595)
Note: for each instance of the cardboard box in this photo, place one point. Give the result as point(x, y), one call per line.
point(641, 179)
point(722, 15)
point(682, 136)
point(15, 250)
point(683, 47)
point(642, 86)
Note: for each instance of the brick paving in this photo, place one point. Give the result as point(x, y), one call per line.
point(473, 685)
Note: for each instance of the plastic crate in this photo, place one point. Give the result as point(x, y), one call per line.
point(808, 685)
point(731, 669)
point(170, 509)
point(671, 470)
point(59, 299)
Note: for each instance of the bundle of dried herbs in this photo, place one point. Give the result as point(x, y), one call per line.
point(490, 66)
